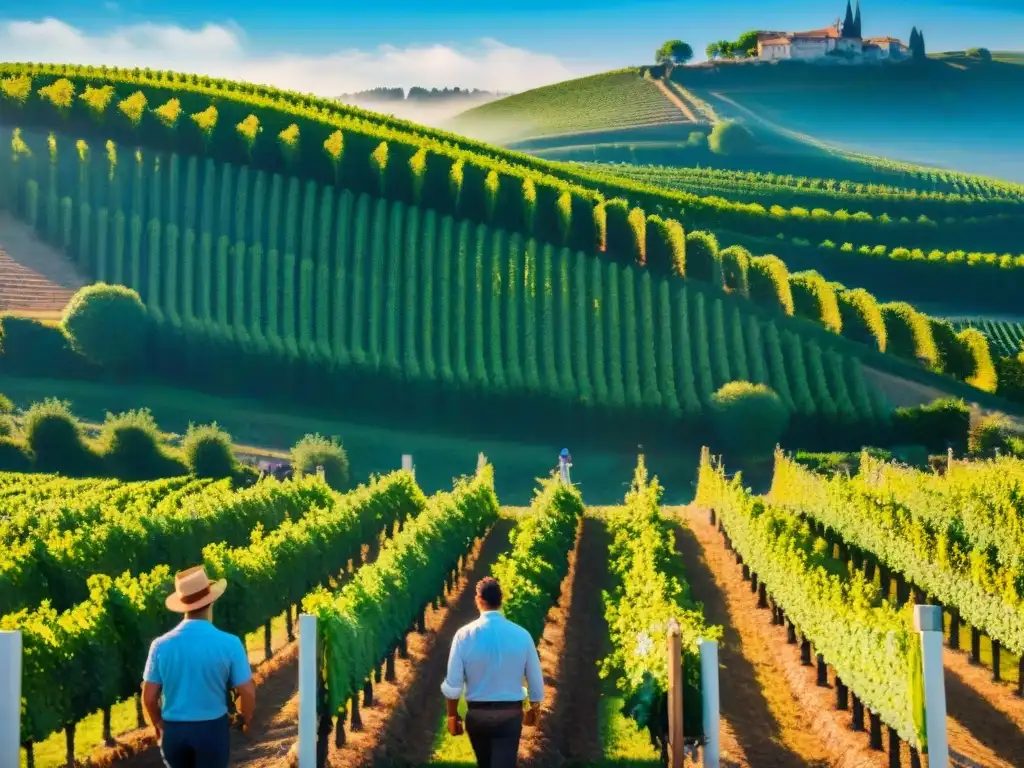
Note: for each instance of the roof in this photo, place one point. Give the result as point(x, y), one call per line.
point(774, 41)
point(882, 40)
point(765, 36)
point(828, 32)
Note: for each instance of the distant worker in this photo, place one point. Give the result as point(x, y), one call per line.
point(192, 668)
point(489, 659)
point(564, 462)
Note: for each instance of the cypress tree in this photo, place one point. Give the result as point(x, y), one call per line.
point(848, 23)
point(856, 22)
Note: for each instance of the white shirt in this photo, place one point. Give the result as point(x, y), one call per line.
point(490, 657)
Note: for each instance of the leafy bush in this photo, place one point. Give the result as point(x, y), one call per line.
point(989, 433)
point(984, 54)
point(815, 299)
point(955, 356)
point(314, 451)
point(1010, 372)
point(735, 268)
point(768, 280)
point(748, 419)
point(7, 425)
point(108, 325)
point(208, 451)
point(702, 258)
point(862, 318)
point(55, 438)
point(14, 457)
point(984, 376)
point(909, 334)
point(6, 406)
point(131, 445)
point(37, 349)
point(731, 138)
point(942, 424)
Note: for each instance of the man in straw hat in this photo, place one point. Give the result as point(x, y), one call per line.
point(192, 668)
point(489, 659)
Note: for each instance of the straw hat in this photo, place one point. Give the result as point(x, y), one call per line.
point(194, 590)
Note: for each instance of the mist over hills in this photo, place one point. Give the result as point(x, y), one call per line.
point(430, 106)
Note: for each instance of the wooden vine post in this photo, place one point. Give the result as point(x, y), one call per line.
point(676, 748)
point(10, 698)
point(928, 623)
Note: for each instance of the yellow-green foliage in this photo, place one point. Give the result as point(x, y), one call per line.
point(169, 113)
point(134, 107)
point(334, 145)
point(206, 120)
point(984, 377)
point(249, 128)
point(60, 93)
point(17, 88)
point(98, 99)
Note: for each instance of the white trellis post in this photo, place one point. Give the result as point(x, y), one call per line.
point(407, 464)
point(307, 690)
point(676, 747)
point(928, 622)
point(709, 698)
point(10, 698)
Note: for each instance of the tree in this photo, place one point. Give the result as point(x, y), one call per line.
point(731, 138)
point(107, 325)
point(984, 54)
point(748, 419)
point(674, 52)
point(849, 27)
point(725, 48)
point(712, 51)
point(314, 451)
point(747, 44)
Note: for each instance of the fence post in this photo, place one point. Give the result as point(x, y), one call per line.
point(10, 698)
point(307, 690)
point(676, 748)
point(709, 697)
point(407, 464)
point(928, 622)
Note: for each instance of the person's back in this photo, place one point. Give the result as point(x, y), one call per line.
point(196, 664)
point(489, 659)
point(189, 674)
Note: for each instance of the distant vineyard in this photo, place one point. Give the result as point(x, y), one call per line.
point(1006, 337)
point(298, 276)
point(976, 198)
point(607, 101)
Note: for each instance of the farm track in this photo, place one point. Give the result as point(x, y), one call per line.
point(402, 721)
point(847, 749)
point(575, 640)
point(678, 102)
point(760, 724)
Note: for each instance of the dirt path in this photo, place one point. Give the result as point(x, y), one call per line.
point(678, 102)
point(575, 639)
point(401, 724)
point(991, 712)
point(761, 724)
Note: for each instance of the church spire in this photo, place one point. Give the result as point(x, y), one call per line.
point(848, 23)
point(856, 22)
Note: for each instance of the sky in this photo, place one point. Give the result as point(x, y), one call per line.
point(329, 47)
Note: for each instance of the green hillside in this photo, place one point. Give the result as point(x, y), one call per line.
point(399, 274)
point(611, 101)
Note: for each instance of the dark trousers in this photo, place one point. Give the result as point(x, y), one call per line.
point(494, 734)
point(205, 744)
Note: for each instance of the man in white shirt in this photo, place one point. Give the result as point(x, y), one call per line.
point(489, 659)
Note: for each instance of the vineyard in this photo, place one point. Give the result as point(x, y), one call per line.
point(613, 100)
point(1006, 337)
point(830, 563)
point(281, 233)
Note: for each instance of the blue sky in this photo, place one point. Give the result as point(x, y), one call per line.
point(564, 36)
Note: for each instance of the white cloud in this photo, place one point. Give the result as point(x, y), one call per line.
point(221, 51)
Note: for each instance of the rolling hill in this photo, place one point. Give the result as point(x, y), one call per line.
point(357, 261)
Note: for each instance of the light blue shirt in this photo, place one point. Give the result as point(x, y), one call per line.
point(196, 664)
point(490, 658)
